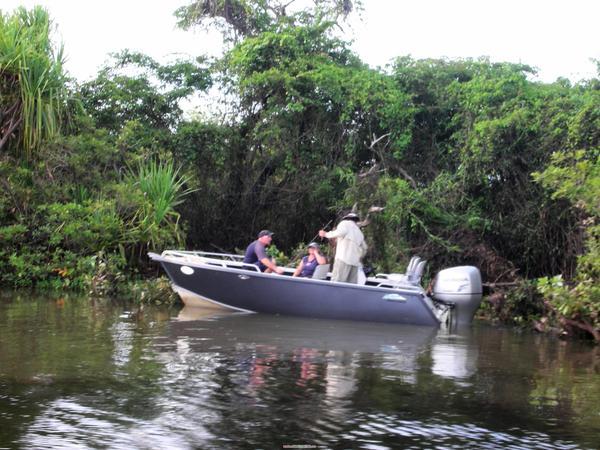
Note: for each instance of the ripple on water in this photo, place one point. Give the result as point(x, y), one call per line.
point(65, 423)
point(385, 431)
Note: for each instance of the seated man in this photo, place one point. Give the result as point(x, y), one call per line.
point(256, 253)
point(309, 263)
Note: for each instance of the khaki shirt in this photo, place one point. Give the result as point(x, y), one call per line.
point(351, 245)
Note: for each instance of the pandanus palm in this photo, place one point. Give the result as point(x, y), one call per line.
point(32, 82)
point(163, 188)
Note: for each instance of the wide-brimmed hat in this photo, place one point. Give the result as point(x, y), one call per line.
point(351, 216)
point(265, 233)
point(314, 245)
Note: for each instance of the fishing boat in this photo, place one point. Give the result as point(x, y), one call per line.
point(224, 281)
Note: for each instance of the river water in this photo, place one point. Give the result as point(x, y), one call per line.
point(84, 373)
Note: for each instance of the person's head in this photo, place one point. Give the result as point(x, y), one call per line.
point(313, 247)
point(351, 216)
point(265, 236)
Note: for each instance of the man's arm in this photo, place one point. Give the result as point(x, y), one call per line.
point(271, 265)
point(340, 231)
point(264, 258)
point(363, 248)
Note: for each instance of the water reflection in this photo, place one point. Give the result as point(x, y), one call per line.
point(84, 374)
point(318, 354)
point(225, 329)
point(329, 351)
point(455, 355)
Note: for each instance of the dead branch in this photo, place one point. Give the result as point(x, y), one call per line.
point(405, 174)
point(377, 139)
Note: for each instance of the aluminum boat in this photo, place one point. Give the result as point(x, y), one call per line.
point(220, 280)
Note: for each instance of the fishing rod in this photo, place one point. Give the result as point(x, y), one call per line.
point(322, 228)
point(365, 222)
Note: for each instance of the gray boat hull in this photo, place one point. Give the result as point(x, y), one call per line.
point(251, 291)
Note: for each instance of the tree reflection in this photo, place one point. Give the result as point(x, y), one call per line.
point(75, 348)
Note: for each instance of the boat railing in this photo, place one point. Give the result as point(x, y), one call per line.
point(230, 256)
point(214, 259)
point(394, 281)
point(394, 284)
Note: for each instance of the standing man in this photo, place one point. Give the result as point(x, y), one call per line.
point(350, 248)
point(256, 253)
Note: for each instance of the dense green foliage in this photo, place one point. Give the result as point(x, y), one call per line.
point(136, 88)
point(576, 176)
point(439, 154)
point(84, 209)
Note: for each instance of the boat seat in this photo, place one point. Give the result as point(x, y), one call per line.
point(412, 266)
point(321, 271)
point(415, 276)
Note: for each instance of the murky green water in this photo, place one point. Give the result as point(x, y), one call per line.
point(78, 373)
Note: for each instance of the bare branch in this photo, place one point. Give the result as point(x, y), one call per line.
point(377, 139)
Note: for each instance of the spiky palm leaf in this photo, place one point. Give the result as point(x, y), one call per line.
point(163, 188)
point(32, 82)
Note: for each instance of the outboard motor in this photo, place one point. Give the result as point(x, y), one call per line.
point(461, 288)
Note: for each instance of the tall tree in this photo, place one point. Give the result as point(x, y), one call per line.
point(308, 110)
point(244, 18)
point(136, 87)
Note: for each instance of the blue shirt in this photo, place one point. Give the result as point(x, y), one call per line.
point(254, 253)
point(308, 267)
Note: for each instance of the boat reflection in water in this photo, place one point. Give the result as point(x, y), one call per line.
point(223, 328)
point(327, 366)
point(338, 346)
point(324, 353)
point(454, 356)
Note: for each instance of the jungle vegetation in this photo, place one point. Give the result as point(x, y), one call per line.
point(472, 161)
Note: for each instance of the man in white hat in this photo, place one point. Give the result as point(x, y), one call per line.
point(350, 248)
